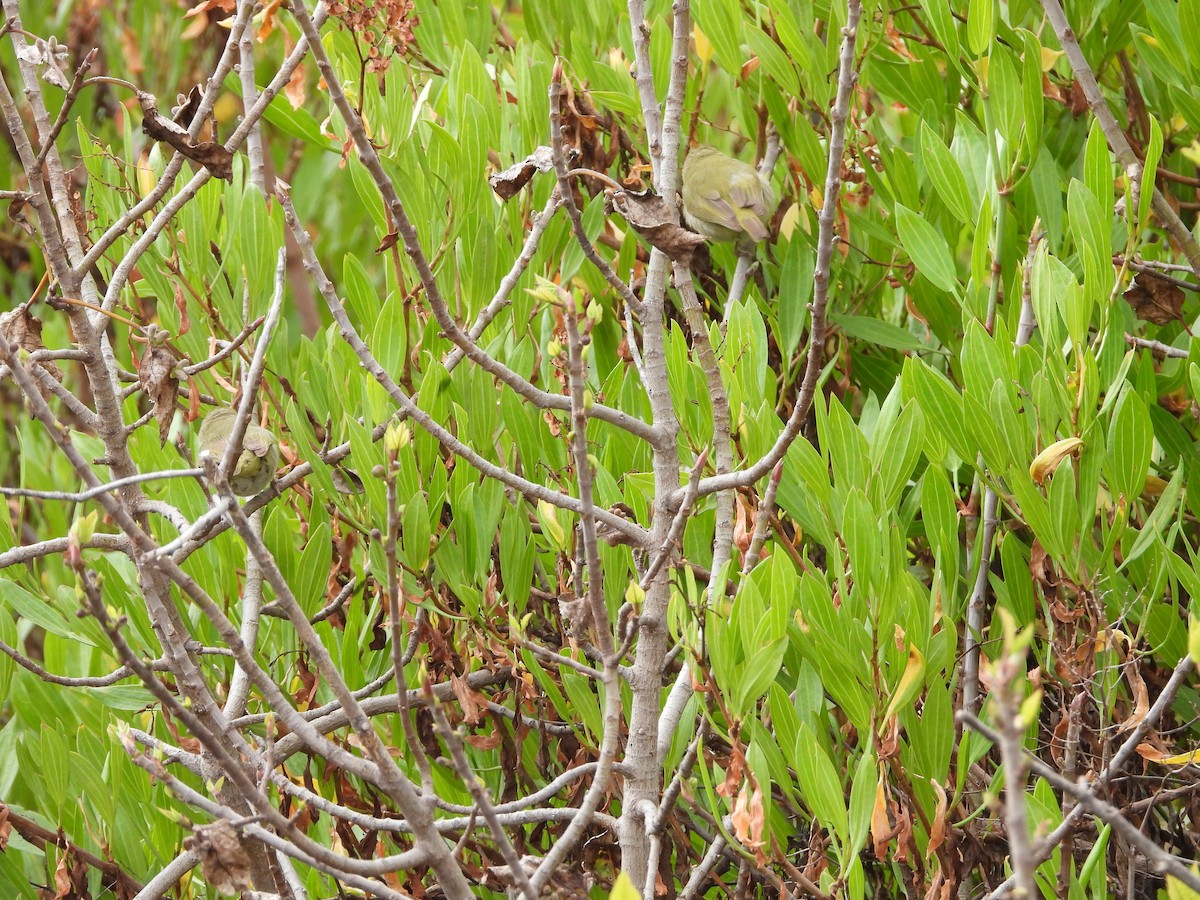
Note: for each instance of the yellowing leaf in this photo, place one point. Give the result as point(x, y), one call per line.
point(1177, 890)
point(551, 527)
point(1150, 753)
point(1049, 459)
point(704, 47)
point(623, 889)
point(910, 682)
point(1049, 58)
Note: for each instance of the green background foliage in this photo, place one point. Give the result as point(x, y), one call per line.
point(973, 176)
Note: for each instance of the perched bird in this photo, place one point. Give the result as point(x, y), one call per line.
point(724, 199)
point(260, 451)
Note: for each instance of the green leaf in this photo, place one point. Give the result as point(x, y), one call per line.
point(945, 174)
point(774, 61)
point(942, 406)
point(1005, 94)
point(1098, 170)
point(1130, 442)
point(795, 290)
point(313, 569)
point(927, 247)
point(980, 25)
point(821, 785)
point(415, 533)
point(1154, 148)
point(877, 332)
point(862, 802)
point(33, 609)
point(1032, 100)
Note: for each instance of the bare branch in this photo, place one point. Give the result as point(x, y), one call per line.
point(1083, 795)
point(1116, 137)
point(410, 409)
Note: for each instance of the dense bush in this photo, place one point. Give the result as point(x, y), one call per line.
point(858, 565)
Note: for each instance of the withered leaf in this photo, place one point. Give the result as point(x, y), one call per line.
point(473, 703)
point(187, 107)
point(156, 372)
point(209, 154)
point(1154, 298)
point(566, 882)
point(576, 615)
point(22, 328)
point(223, 860)
point(506, 184)
point(651, 217)
point(388, 242)
point(16, 212)
point(19, 326)
point(51, 55)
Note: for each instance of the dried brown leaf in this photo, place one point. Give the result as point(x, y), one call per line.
point(389, 241)
point(210, 154)
point(881, 828)
point(473, 703)
point(185, 321)
point(749, 820)
point(1141, 697)
point(651, 217)
point(506, 184)
point(939, 825)
point(1154, 298)
point(186, 107)
point(24, 329)
point(270, 10)
point(223, 859)
point(156, 372)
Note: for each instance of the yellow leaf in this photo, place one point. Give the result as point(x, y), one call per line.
point(704, 48)
point(623, 889)
point(1180, 759)
point(910, 682)
point(1177, 890)
point(790, 220)
point(551, 527)
point(1049, 58)
point(1049, 459)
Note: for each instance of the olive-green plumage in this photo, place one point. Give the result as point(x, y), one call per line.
point(260, 451)
point(725, 199)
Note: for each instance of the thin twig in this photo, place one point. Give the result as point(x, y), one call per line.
point(1115, 135)
point(90, 493)
point(1083, 795)
point(483, 799)
point(847, 78)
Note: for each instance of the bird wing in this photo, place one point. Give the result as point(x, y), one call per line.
point(719, 211)
point(751, 198)
point(749, 191)
point(258, 441)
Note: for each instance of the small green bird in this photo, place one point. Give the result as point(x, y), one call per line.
point(724, 199)
point(260, 451)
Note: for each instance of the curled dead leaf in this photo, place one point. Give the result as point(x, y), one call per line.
point(210, 154)
point(223, 859)
point(749, 819)
point(1048, 460)
point(156, 371)
point(651, 217)
point(473, 703)
point(1155, 298)
point(506, 184)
